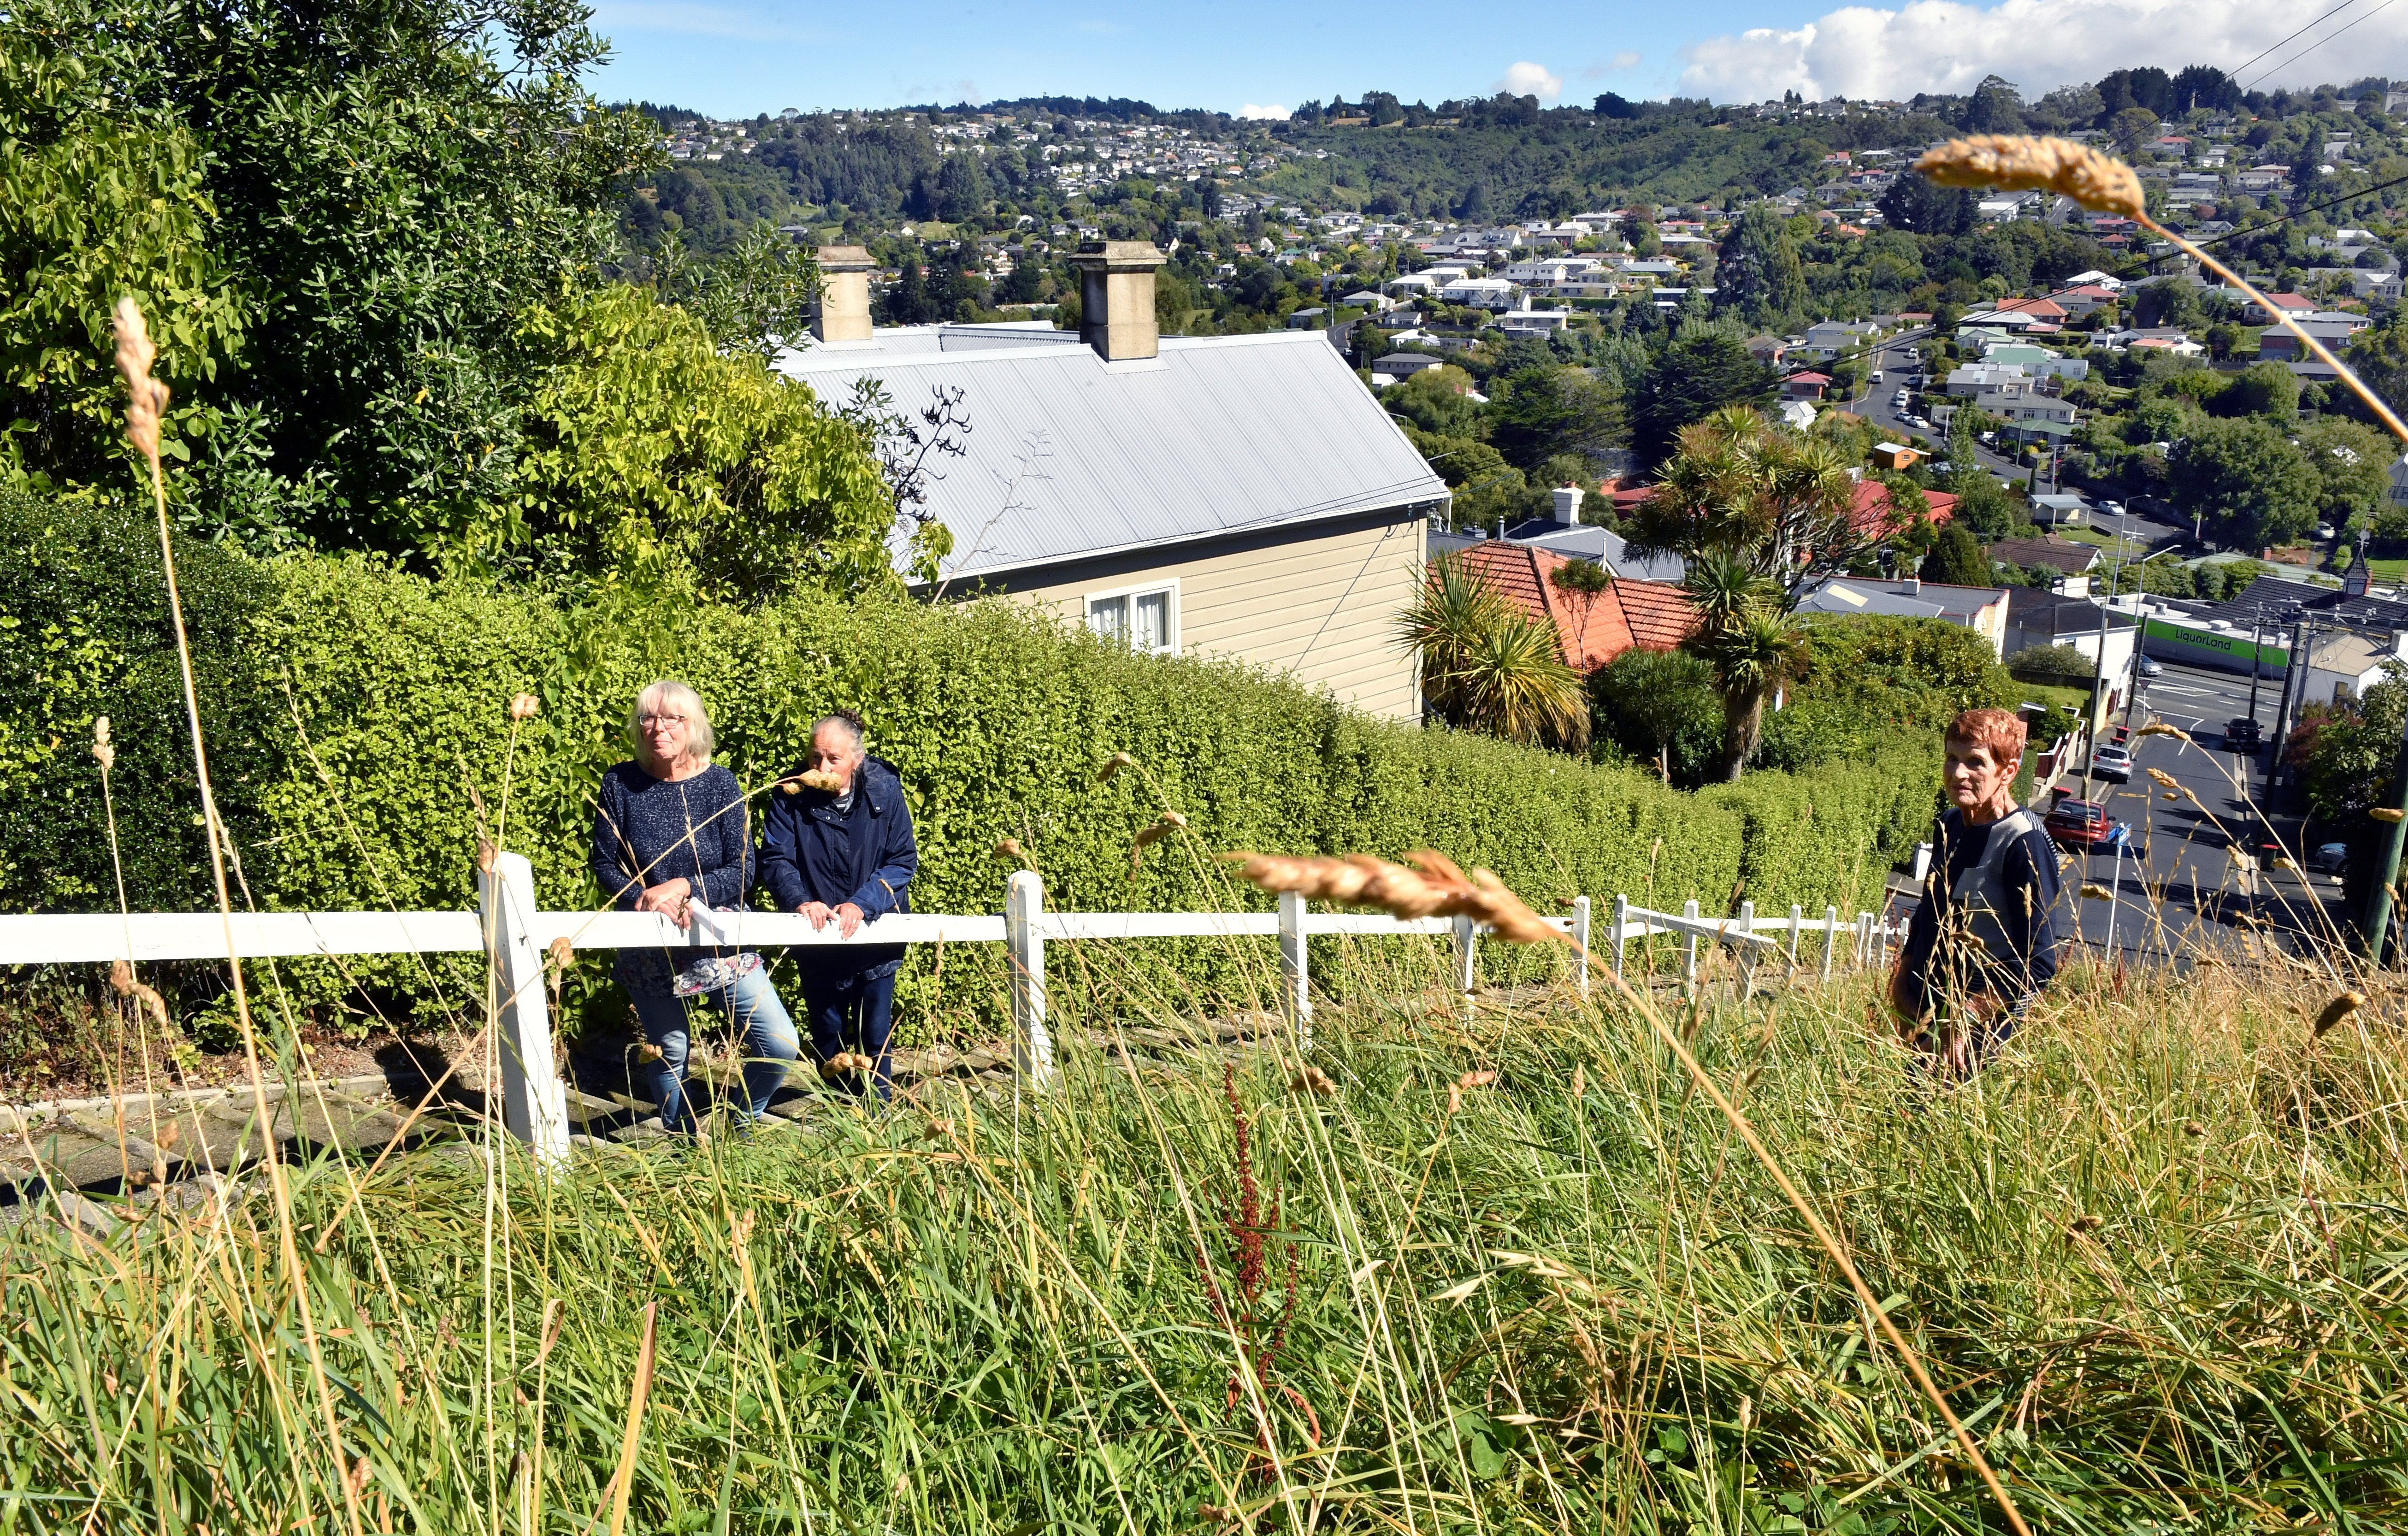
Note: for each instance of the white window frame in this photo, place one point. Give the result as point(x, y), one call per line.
point(1169, 585)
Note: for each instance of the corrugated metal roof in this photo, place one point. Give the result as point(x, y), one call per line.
point(1069, 455)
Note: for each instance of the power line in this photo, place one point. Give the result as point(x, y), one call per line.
point(2327, 39)
point(2325, 16)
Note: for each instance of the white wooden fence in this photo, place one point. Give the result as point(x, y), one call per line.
point(515, 933)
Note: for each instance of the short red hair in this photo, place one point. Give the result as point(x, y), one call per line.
point(2000, 730)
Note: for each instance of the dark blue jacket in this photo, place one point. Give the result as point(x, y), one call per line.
point(813, 852)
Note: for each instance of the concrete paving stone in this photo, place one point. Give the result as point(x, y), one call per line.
point(72, 1159)
point(146, 1162)
point(86, 1215)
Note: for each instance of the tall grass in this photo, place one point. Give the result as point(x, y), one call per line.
point(2157, 1256)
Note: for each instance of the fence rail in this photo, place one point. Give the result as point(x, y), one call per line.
point(514, 934)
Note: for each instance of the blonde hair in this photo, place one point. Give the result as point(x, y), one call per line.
point(670, 693)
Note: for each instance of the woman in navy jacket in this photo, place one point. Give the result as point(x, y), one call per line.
point(844, 855)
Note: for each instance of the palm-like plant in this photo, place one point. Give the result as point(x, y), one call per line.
point(1750, 641)
point(1516, 683)
point(1785, 505)
point(1487, 666)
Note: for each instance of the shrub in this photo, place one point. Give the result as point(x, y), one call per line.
point(2054, 664)
point(356, 720)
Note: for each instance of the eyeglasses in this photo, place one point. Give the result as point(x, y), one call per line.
point(649, 719)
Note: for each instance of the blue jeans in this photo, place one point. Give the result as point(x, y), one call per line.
point(763, 1027)
point(850, 1012)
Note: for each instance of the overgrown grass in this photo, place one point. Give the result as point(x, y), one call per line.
point(2157, 1256)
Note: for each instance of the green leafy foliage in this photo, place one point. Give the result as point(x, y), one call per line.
point(353, 709)
point(99, 198)
point(1956, 559)
point(653, 453)
point(2246, 478)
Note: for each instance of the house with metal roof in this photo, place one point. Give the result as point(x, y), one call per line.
point(1241, 496)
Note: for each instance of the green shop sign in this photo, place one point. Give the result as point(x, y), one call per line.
point(2237, 647)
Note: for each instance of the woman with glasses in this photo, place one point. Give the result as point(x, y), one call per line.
point(672, 831)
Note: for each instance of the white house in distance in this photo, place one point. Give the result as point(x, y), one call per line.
point(1241, 496)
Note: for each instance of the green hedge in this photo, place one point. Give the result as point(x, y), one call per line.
point(357, 721)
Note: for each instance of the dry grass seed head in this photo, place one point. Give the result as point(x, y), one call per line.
point(2336, 1010)
point(524, 705)
point(148, 400)
point(2018, 163)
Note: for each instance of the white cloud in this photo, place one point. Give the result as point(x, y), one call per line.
point(1531, 79)
point(1254, 113)
point(1627, 58)
point(1946, 45)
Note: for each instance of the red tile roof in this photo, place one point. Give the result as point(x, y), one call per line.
point(2044, 308)
point(1592, 630)
point(1872, 504)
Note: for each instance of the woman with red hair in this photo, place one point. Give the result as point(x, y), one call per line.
point(1981, 945)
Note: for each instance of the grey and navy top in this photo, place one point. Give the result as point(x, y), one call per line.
point(648, 831)
point(1983, 923)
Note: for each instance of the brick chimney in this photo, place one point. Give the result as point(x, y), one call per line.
point(843, 312)
point(1116, 298)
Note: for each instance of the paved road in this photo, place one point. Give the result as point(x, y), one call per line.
point(2179, 880)
point(1895, 361)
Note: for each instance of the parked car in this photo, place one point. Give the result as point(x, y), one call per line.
point(2329, 857)
point(2081, 824)
point(2242, 733)
point(2151, 666)
point(2112, 762)
point(1877, 377)
point(2325, 531)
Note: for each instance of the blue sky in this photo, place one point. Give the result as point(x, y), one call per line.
point(737, 57)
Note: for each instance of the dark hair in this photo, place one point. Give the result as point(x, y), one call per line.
point(850, 719)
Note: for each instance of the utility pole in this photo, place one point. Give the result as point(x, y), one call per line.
point(2098, 715)
point(2378, 900)
point(2295, 681)
point(2252, 670)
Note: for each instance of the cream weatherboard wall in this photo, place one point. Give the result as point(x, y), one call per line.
point(1318, 602)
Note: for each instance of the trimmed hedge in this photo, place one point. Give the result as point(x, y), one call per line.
point(357, 725)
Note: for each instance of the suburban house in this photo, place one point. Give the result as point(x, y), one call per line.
point(1982, 610)
point(1391, 367)
point(2071, 561)
point(2333, 328)
point(1805, 386)
point(2039, 617)
point(2293, 304)
point(1241, 496)
point(1593, 628)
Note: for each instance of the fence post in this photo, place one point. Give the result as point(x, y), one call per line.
point(1032, 1048)
point(1830, 937)
point(1296, 990)
point(1796, 921)
point(1864, 939)
point(1746, 950)
point(1689, 944)
point(535, 1105)
point(1621, 930)
point(1579, 940)
point(1466, 933)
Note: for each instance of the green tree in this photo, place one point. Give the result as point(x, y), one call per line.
point(1759, 271)
point(1745, 634)
point(2263, 389)
point(99, 198)
point(1698, 374)
point(391, 187)
point(1537, 413)
point(1785, 508)
point(1956, 559)
point(1661, 708)
point(2350, 466)
point(2246, 478)
point(619, 473)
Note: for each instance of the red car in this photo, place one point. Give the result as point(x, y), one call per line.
point(2080, 824)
